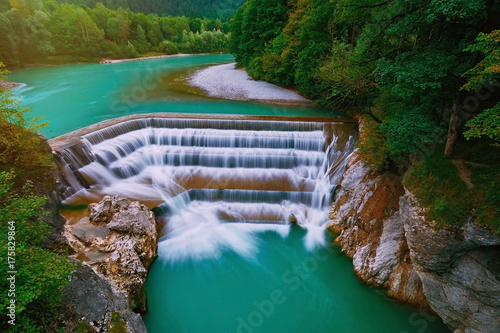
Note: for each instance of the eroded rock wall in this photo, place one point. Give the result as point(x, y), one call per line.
point(117, 244)
point(453, 271)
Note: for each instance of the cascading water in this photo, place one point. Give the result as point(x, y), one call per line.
point(225, 192)
point(202, 173)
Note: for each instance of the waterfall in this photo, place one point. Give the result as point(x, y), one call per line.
point(204, 173)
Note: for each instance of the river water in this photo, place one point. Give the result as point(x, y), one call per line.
point(229, 261)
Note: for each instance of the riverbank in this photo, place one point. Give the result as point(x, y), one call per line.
point(65, 60)
point(227, 82)
point(115, 61)
point(4, 84)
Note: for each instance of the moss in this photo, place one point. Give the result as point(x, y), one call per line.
point(373, 146)
point(486, 195)
point(437, 185)
point(84, 327)
point(117, 324)
point(73, 208)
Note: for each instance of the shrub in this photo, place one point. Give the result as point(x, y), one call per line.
point(40, 272)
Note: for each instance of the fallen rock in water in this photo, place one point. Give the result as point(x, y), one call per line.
point(118, 244)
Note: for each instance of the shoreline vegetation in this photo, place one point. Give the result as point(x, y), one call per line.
point(427, 94)
point(48, 33)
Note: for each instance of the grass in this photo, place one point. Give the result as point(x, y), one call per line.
point(435, 182)
point(486, 195)
point(437, 185)
point(117, 324)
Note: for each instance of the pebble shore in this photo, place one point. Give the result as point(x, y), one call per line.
point(225, 81)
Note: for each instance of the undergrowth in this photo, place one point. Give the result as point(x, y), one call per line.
point(436, 183)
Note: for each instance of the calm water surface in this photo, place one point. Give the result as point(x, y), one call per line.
point(70, 97)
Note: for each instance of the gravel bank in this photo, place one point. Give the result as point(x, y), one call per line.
point(116, 61)
point(224, 81)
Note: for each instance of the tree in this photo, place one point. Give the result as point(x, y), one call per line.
point(101, 16)
point(20, 147)
point(154, 33)
point(8, 50)
point(40, 272)
point(167, 47)
point(65, 32)
point(142, 44)
point(91, 36)
point(485, 74)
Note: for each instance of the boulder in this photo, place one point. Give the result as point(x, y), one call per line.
point(118, 243)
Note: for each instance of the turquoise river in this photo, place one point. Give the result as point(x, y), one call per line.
point(217, 271)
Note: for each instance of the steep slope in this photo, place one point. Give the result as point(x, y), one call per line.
point(452, 271)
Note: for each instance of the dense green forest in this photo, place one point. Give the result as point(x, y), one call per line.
point(423, 74)
point(222, 9)
point(43, 31)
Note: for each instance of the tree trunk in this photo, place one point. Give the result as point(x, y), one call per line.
point(452, 131)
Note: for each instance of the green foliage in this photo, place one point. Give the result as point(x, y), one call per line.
point(435, 182)
point(254, 26)
point(372, 145)
point(407, 57)
point(486, 182)
point(117, 325)
point(20, 147)
point(486, 72)
point(167, 47)
point(346, 85)
point(40, 272)
point(46, 31)
point(222, 9)
point(411, 132)
point(487, 123)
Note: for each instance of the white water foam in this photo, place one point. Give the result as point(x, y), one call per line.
point(256, 179)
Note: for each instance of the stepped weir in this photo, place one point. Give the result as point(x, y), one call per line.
point(257, 170)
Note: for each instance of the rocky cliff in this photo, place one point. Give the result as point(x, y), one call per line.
point(453, 271)
point(116, 243)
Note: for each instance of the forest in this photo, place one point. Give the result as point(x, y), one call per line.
point(43, 31)
point(221, 9)
point(423, 76)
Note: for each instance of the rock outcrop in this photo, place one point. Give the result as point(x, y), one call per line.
point(4, 84)
point(452, 271)
point(117, 244)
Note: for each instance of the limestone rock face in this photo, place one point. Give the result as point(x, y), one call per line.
point(371, 231)
point(118, 242)
point(459, 269)
point(452, 271)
